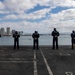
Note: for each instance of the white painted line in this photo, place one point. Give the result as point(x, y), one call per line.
point(47, 65)
point(21, 59)
point(35, 63)
point(60, 53)
point(69, 73)
point(16, 61)
point(64, 54)
point(69, 54)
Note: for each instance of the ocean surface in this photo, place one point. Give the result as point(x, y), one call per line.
point(43, 40)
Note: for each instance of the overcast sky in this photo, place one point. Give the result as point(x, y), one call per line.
point(40, 15)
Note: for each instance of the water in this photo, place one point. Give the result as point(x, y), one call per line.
point(43, 40)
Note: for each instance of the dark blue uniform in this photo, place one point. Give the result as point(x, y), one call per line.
point(73, 38)
point(35, 40)
point(16, 40)
point(55, 35)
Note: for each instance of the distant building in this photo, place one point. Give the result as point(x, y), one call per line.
point(13, 31)
point(2, 32)
point(20, 32)
point(8, 30)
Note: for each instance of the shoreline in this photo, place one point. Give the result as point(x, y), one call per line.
point(39, 45)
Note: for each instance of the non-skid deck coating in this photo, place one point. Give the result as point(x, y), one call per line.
point(44, 61)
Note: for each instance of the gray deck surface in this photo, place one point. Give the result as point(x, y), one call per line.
point(44, 61)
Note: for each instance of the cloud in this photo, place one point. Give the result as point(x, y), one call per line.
point(64, 15)
point(63, 3)
point(35, 15)
point(20, 6)
point(1, 5)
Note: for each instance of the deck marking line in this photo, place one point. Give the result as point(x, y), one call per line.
point(47, 65)
point(35, 63)
point(67, 54)
point(69, 73)
point(16, 61)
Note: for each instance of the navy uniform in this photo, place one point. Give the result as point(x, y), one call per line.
point(55, 35)
point(73, 38)
point(35, 40)
point(16, 40)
